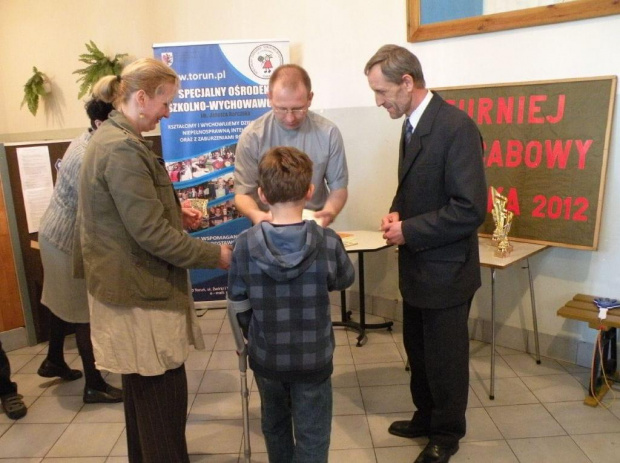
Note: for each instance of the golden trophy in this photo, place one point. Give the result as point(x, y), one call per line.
point(503, 220)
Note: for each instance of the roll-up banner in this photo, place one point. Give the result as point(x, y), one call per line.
point(224, 87)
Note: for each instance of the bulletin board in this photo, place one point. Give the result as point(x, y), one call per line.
point(546, 146)
point(27, 254)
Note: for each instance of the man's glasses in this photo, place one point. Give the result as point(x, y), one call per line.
point(286, 111)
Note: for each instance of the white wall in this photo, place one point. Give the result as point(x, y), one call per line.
point(333, 39)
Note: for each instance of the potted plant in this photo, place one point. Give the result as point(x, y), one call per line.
point(99, 65)
point(38, 85)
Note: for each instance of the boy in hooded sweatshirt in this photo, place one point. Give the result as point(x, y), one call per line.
point(279, 281)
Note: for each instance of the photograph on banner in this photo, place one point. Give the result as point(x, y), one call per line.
point(224, 87)
point(546, 146)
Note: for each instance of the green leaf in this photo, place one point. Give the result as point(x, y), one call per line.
point(34, 88)
point(98, 66)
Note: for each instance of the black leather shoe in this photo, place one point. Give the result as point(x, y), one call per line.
point(436, 453)
point(407, 429)
point(51, 370)
point(111, 395)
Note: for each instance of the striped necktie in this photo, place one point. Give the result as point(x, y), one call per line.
point(408, 131)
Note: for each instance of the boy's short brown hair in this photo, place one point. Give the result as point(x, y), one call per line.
point(284, 174)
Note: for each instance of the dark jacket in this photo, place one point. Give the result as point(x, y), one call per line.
point(441, 199)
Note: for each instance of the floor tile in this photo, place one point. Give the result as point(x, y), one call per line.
point(352, 455)
point(53, 410)
point(74, 460)
point(32, 384)
point(479, 349)
point(381, 374)
point(350, 432)
point(30, 350)
point(216, 406)
point(342, 355)
point(487, 452)
point(480, 426)
point(348, 401)
point(209, 340)
point(194, 379)
point(340, 336)
point(223, 360)
point(480, 368)
point(87, 440)
point(508, 391)
point(398, 454)
point(561, 449)
point(210, 326)
point(578, 418)
point(214, 437)
point(211, 314)
point(600, 448)
point(555, 388)
point(225, 341)
point(381, 353)
point(223, 458)
point(30, 440)
point(197, 360)
point(223, 381)
point(472, 399)
point(525, 365)
point(120, 446)
point(101, 413)
point(18, 361)
point(387, 399)
point(344, 376)
point(520, 421)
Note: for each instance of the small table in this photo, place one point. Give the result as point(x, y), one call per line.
point(520, 252)
point(367, 241)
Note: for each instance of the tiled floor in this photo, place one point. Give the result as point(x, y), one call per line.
point(538, 415)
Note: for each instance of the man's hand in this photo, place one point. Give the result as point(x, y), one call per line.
point(248, 207)
point(225, 256)
point(391, 226)
point(325, 217)
point(192, 218)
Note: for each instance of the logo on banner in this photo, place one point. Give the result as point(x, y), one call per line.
point(167, 58)
point(264, 59)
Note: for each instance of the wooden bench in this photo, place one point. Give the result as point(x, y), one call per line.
point(582, 307)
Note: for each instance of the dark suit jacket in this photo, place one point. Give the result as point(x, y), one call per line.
point(441, 199)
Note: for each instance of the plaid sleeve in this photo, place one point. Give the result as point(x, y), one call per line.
point(344, 276)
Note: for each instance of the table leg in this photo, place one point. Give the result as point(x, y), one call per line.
point(347, 322)
point(492, 390)
point(534, 319)
point(367, 326)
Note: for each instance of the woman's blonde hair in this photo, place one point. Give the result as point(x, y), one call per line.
point(146, 74)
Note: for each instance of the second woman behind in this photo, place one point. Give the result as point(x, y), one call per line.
point(64, 295)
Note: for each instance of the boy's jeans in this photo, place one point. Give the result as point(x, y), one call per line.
point(296, 420)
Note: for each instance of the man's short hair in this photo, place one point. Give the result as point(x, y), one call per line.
point(395, 62)
point(290, 75)
point(284, 174)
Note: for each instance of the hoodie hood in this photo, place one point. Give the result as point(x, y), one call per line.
point(285, 251)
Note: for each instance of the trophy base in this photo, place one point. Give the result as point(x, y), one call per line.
point(503, 252)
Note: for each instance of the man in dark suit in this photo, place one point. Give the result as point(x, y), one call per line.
point(439, 204)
